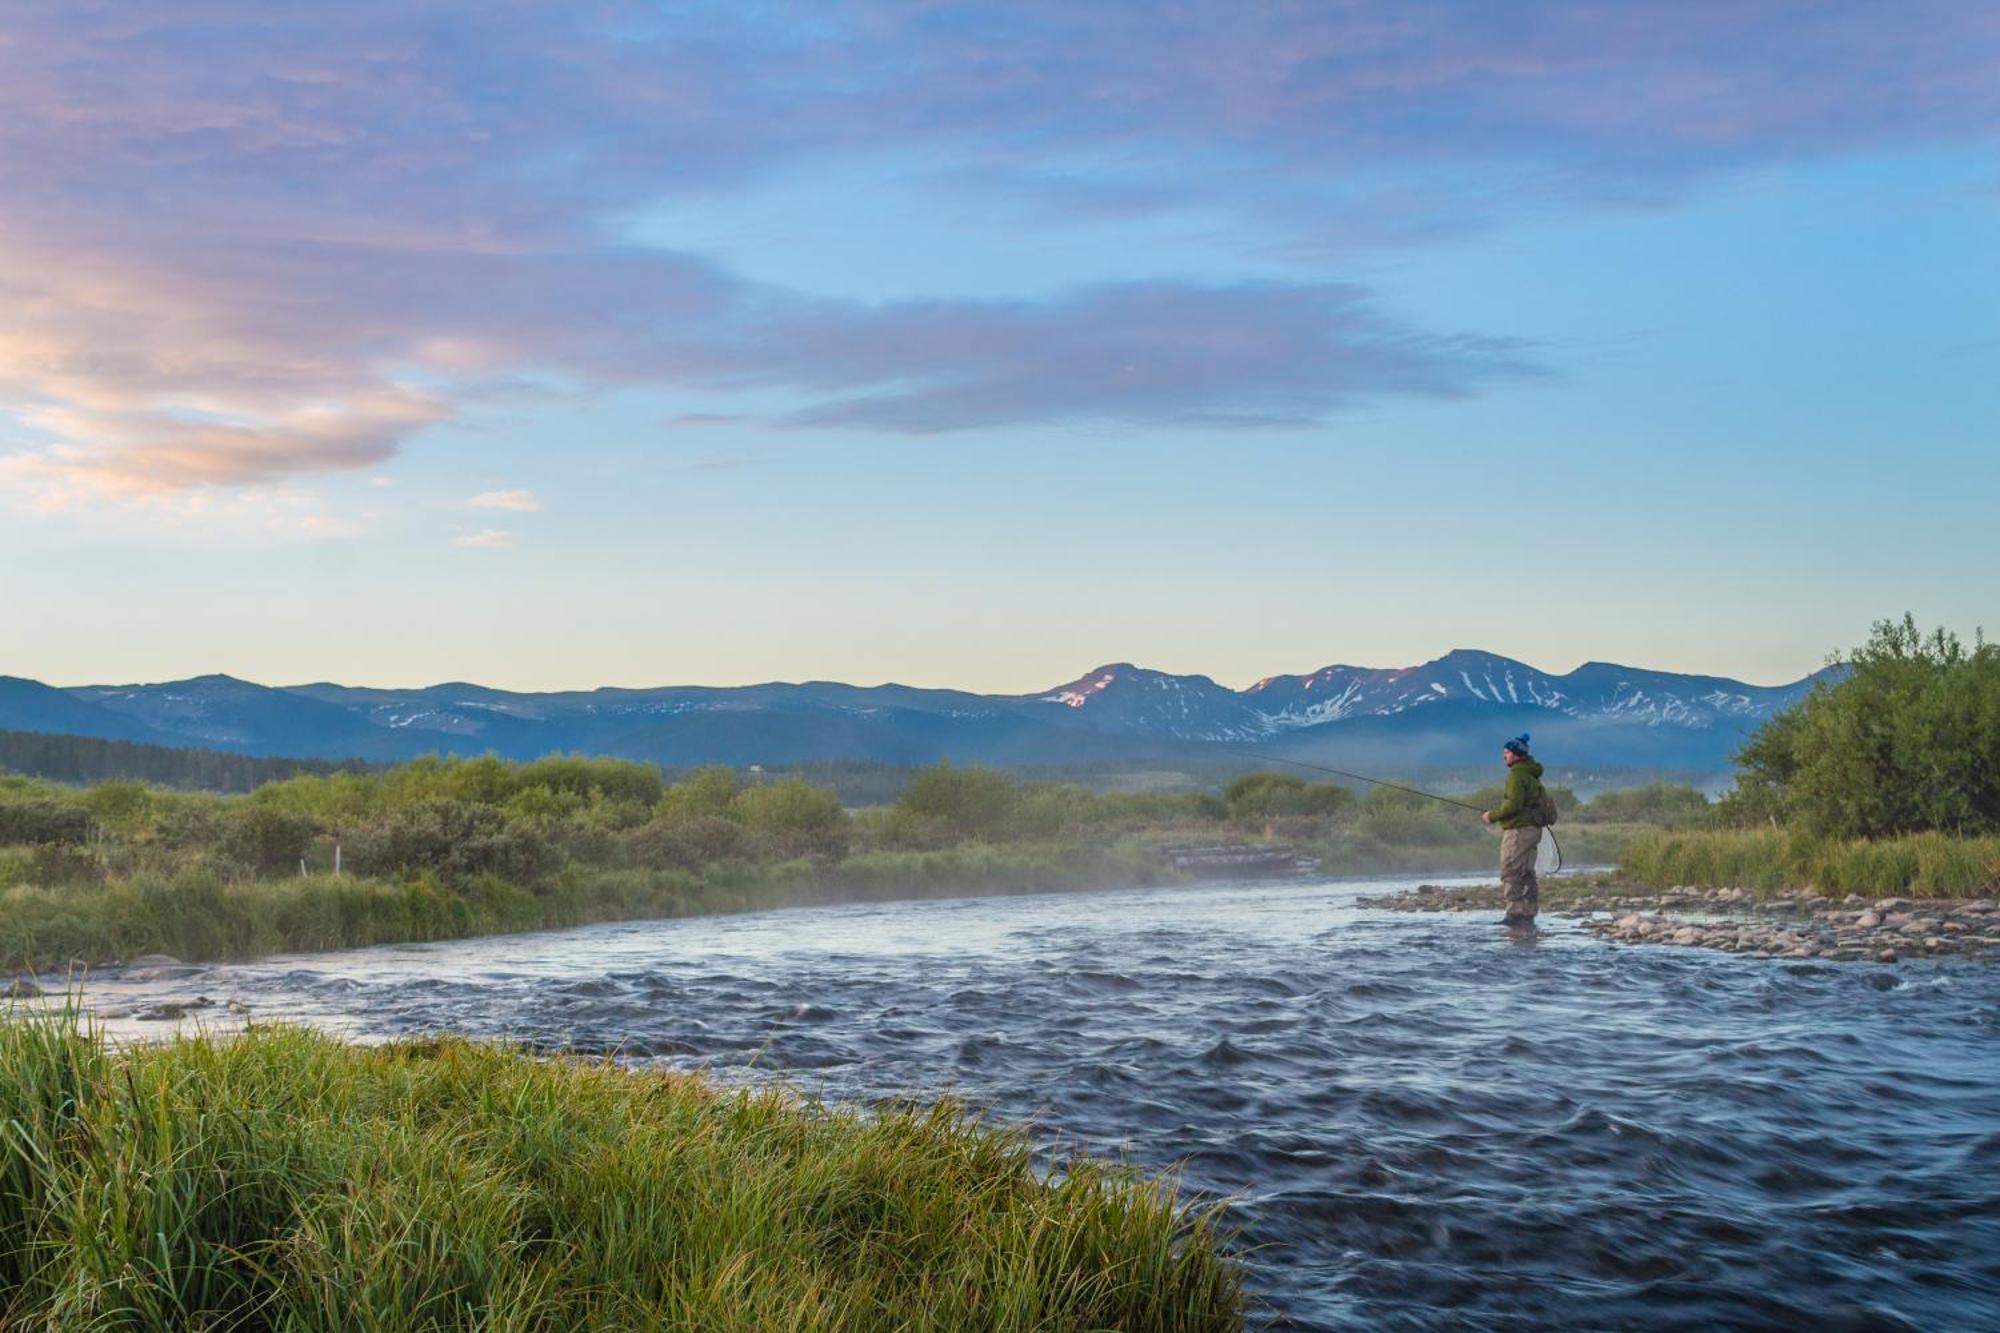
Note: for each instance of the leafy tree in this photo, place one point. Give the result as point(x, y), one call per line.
point(795, 817)
point(1906, 739)
point(1276, 795)
point(960, 802)
point(709, 792)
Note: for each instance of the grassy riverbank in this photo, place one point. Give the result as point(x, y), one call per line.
point(456, 848)
point(283, 1179)
point(1921, 865)
point(197, 916)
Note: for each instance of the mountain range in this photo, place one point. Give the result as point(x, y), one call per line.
point(1448, 712)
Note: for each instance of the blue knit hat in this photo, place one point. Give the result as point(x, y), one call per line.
point(1519, 745)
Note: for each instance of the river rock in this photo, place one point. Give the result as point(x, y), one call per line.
point(1868, 920)
point(1886, 956)
point(173, 1010)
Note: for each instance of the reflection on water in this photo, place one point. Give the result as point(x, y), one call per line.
point(1425, 1123)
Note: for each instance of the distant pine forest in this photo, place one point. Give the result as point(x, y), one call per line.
point(87, 759)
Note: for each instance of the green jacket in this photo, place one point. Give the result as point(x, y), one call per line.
point(1524, 788)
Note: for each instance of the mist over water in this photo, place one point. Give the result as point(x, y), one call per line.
point(1422, 1123)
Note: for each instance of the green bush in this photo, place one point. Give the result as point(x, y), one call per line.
point(453, 839)
point(794, 818)
point(688, 842)
point(43, 821)
point(959, 802)
point(264, 838)
point(58, 863)
point(1906, 740)
point(1276, 795)
point(705, 792)
point(126, 807)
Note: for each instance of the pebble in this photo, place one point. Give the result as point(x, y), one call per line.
point(1791, 926)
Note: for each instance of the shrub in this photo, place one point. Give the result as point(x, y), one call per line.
point(1275, 795)
point(794, 817)
point(43, 821)
point(707, 791)
point(1905, 740)
point(619, 781)
point(961, 802)
point(265, 838)
point(125, 806)
point(62, 863)
point(686, 843)
point(452, 839)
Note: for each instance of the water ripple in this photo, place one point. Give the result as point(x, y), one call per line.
point(1422, 1123)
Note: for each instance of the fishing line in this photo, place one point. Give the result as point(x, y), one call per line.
point(1393, 786)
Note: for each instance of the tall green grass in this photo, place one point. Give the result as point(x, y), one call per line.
point(1932, 865)
point(1474, 848)
point(198, 916)
point(285, 1180)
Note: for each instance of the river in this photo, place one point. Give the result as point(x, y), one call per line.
point(1423, 1122)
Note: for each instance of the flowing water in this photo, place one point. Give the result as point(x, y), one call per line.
point(1424, 1123)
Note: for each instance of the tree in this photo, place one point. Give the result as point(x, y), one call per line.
point(705, 792)
point(795, 817)
point(1274, 795)
point(1906, 739)
point(962, 802)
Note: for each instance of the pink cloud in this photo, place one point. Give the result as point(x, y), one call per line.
point(519, 501)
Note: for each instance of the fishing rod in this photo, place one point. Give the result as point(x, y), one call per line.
point(1358, 777)
point(1393, 786)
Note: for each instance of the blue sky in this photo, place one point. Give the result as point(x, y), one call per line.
point(977, 345)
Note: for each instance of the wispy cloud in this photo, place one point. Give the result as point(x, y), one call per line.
point(698, 420)
point(487, 537)
point(242, 245)
point(520, 501)
point(1162, 355)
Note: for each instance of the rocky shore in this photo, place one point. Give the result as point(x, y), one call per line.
point(1852, 928)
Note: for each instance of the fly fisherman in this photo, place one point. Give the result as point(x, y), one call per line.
point(1524, 810)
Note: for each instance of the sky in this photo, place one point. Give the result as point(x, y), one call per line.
point(594, 343)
